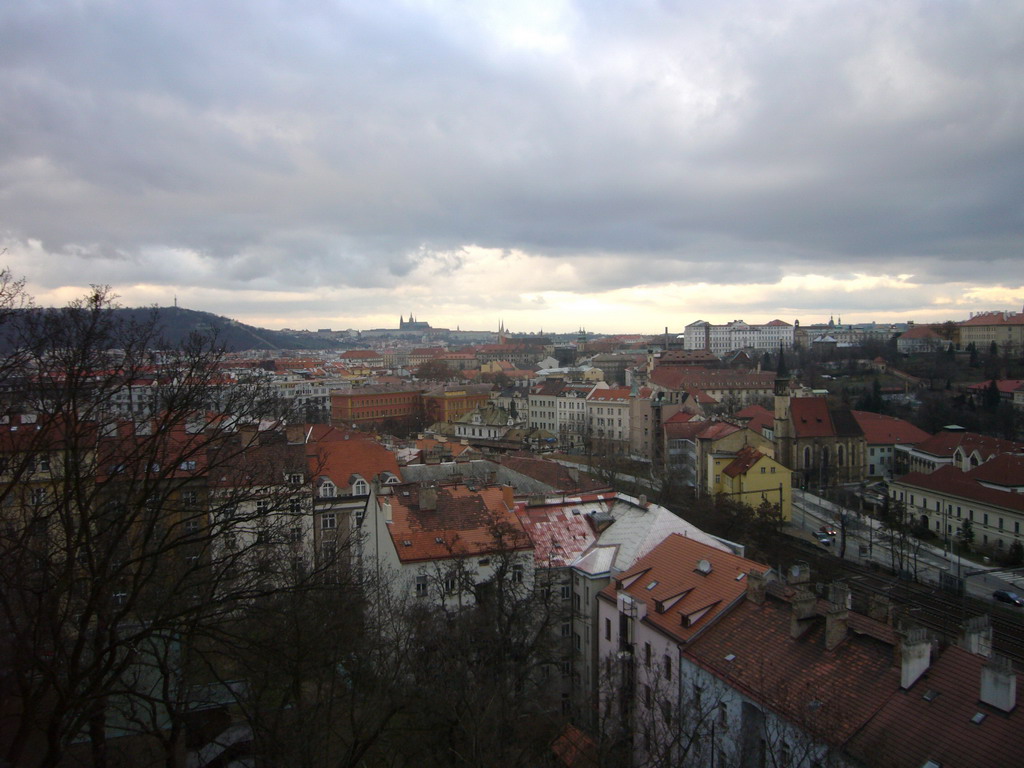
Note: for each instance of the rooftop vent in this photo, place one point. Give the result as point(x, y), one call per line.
point(704, 566)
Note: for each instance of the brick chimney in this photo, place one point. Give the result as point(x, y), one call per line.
point(976, 636)
point(915, 656)
point(802, 613)
point(838, 615)
point(999, 684)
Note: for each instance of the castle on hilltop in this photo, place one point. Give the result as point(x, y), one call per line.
point(412, 324)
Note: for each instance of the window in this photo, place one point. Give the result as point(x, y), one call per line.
point(517, 573)
point(328, 521)
point(667, 663)
point(295, 533)
point(191, 527)
point(295, 506)
point(327, 490)
point(295, 479)
point(577, 641)
point(647, 654)
point(566, 629)
point(566, 591)
point(187, 466)
point(262, 506)
point(38, 495)
point(607, 629)
point(360, 488)
point(189, 498)
point(421, 586)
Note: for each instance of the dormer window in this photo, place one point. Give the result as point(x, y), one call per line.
point(328, 490)
point(360, 487)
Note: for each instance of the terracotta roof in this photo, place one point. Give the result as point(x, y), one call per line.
point(911, 730)
point(812, 417)
point(1006, 469)
point(830, 694)
point(1006, 387)
point(464, 522)
point(679, 417)
point(552, 474)
point(758, 417)
point(746, 458)
point(340, 460)
point(618, 394)
point(681, 599)
point(561, 533)
point(950, 480)
point(996, 318)
point(575, 749)
point(945, 443)
point(888, 430)
point(680, 377)
point(920, 332)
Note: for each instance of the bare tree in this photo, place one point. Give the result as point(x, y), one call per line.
point(120, 538)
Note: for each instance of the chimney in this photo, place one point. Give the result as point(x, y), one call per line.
point(880, 609)
point(756, 585)
point(643, 500)
point(508, 496)
point(915, 656)
point(428, 498)
point(385, 505)
point(799, 574)
point(802, 614)
point(837, 616)
point(976, 636)
point(999, 684)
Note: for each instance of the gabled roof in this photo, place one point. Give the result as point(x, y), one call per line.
point(812, 417)
point(683, 597)
point(1006, 387)
point(920, 332)
point(888, 430)
point(746, 457)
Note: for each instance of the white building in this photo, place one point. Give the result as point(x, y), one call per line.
point(720, 339)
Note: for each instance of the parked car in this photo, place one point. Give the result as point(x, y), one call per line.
point(1008, 597)
point(827, 530)
point(825, 539)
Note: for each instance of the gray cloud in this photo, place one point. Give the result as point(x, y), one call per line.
point(295, 145)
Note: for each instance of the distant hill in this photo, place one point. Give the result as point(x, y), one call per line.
point(177, 323)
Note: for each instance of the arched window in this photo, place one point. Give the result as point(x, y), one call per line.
point(807, 456)
point(360, 487)
point(839, 455)
point(327, 490)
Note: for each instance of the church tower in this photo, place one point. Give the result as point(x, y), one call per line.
point(783, 424)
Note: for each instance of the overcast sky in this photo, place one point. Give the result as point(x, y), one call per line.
point(622, 166)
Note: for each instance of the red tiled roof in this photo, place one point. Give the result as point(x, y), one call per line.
point(811, 417)
point(888, 430)
point(950, 480)
point(341, 459)
point(758, 417)
point(1006, 469)
point(560, 532)
point(689, 600)
point(996, 318)
point(945, 443)
point(911, 730)
point(552, 474)
point(830, 694)
point(920, 332)
point(1006, 387)
point(746, 458)
point(464, 523)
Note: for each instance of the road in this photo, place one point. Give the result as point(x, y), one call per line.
point(865, 542)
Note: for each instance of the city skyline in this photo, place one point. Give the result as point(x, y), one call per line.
point(544, 165)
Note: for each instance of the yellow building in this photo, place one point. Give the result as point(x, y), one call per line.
point(751, 477)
